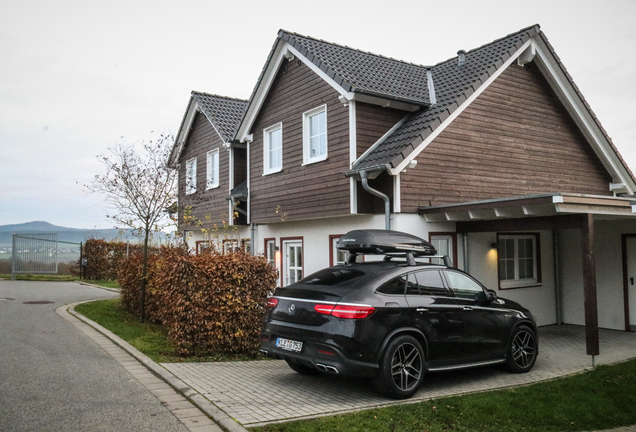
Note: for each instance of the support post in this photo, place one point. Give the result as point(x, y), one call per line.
point(589, 284)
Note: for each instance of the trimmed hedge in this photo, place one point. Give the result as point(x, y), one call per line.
point(105, 258)
point(211, 302)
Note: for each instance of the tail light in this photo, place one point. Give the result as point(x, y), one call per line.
point(271, 302)
point(347, 312)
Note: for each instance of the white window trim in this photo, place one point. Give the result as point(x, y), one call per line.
point(266, 132)
point(519, 283)
point(287, 268)
point(307, 158)
point(191, 188)
point(212, 183)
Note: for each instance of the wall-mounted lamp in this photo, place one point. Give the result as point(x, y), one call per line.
point(494, 245)
point(276, 248)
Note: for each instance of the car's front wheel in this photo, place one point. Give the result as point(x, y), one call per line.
point(522, 350)
point(401, 368)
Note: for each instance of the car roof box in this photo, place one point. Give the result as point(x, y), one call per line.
point(384, 242)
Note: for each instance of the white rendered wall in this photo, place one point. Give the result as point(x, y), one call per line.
point(540, 300)
point(609, 273)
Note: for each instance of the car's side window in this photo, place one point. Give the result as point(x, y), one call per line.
point(427, 282)
point(394, 286)
point(463, 286)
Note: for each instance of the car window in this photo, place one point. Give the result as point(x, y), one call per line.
point(394, 286)
point(427, 282)
point(464, 286)
point(333, 276)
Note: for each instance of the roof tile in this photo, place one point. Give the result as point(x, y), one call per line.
point(223, 112)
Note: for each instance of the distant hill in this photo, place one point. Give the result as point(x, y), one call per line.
point(74, 235)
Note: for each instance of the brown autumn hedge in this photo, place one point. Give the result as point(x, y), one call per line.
point(210, 303)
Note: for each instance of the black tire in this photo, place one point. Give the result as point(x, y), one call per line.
point(301, 369)
point(522, 350)
point(401, 368)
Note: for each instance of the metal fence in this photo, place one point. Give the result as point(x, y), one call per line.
point(35, 253)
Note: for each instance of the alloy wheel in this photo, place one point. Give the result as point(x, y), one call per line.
point(406, 367)
point(523, 349)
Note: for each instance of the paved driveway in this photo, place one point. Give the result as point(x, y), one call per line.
point(261, 392)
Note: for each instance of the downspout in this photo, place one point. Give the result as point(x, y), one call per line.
point(387, 202)
point(252, 239)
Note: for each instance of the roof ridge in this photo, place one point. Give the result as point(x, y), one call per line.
point(218, 96)
point(537, 27)
point(352, 49)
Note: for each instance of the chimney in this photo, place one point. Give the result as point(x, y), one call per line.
point(461, 57)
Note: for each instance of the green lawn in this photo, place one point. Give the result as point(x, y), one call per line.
point(600, 399)
point(151, 339)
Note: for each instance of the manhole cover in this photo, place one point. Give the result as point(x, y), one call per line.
point(6, 299)
point(38, 302)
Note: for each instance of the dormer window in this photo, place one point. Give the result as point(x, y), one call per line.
point(315, 135)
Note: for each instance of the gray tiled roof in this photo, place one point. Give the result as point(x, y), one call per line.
point(363, 72)
point(453, 85)
point(225, 113)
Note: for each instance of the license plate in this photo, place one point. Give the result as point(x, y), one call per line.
point(289, 345)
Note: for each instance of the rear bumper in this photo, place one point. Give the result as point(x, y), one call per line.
point(320, 355)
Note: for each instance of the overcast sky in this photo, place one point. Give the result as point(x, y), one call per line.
point(75, 76)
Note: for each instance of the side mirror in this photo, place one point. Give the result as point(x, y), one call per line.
point(491, 295)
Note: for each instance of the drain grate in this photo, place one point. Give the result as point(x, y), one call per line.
point(38, 302)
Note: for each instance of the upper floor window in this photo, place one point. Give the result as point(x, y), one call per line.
point(191, 176)
point(315, 135)
point(273, 149)
point(213, 169)
point(518, 260)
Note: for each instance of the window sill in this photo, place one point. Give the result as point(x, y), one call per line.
point(519, 285)
point(212, 187)
point(314, 160)
point(272, 172)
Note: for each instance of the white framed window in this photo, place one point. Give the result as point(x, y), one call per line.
point(443, 244)
point(230, 246)
point(518, 260)
point(315, 135)
point(270, 252)
point(213, 169)
point(293, 261)
point(337, 256)
point(191, 176)
point(273, 149)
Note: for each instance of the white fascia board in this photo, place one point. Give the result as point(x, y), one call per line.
point(353, 143)
point(186, 126)
point(402, 166)
point(347, 95)
point(282, 49)
point(581, 115)
point(397, 194)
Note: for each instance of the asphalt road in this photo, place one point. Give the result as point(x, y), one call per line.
point(54, 378)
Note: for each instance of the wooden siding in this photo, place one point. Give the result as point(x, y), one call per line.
point(515, 139)
point(205, 203)
point(300, 192)
point(369, 203)
point(372, 122)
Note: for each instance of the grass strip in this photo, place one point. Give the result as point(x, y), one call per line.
point(149, 338)
point(40, 277)
point(603, 398)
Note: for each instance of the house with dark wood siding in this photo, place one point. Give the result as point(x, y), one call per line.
point(493, 155)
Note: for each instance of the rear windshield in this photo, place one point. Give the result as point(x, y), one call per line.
point(333, 276)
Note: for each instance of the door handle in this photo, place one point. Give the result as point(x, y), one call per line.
point(631, 279)
point(421, 310)
point(468, 308)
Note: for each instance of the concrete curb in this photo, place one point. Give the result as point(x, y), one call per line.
point(222, 419)
point(97, 286)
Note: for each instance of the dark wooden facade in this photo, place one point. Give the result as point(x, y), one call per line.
point(209, 206)
point(515, 139)
point(300, 192)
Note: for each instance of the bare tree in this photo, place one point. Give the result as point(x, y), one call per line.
point(138, 187)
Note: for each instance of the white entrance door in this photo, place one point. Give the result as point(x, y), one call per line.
point(293, 267)
point(631, 279)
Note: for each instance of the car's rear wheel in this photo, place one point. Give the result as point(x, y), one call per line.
point(401, 368)
point(522, 350)
point(301, 369)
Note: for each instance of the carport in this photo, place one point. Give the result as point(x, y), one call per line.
point(604, 224)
